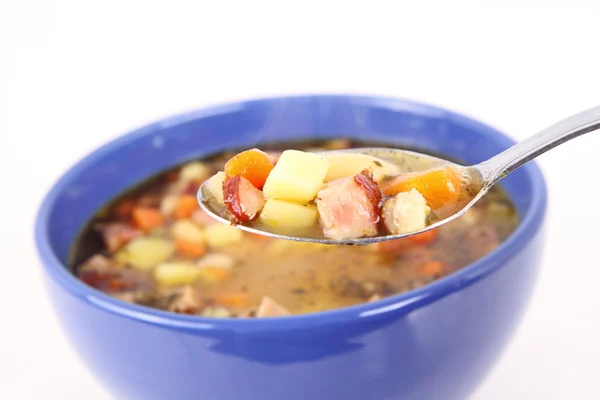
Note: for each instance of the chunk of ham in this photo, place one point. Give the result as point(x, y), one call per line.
point(269, 308)
point(242, 199)
point(349, 207)
point(200, 217)
point(406, 212)
point(187, 302)
point(97, 263)
point(117, 235)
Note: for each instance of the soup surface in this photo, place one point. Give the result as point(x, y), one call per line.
point(154, 246)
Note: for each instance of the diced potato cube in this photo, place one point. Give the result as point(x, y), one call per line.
point(214, 186)
point(472, 216)
point(194, 172)
point(344, 165)
point(187, 230)
point(297, 177)
point(216, 312)
point(217, 260)
point(281, 246)
point(146, 252)
point(214, 274)
point(168, 205)
point(498, 211)
point(176, 273)
point(221, 235)
point(283, 214)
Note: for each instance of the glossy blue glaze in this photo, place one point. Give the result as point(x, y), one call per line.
point(436, 342)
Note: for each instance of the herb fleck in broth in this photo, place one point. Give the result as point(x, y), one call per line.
point(152, 246)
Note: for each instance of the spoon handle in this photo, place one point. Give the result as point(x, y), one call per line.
point(500, 165)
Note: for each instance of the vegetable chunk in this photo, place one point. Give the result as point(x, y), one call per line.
point(278, 213)
point(145, 253)
point(439, 186)
point(344, 165)
point(176, 273)
point(297, 177)
point(214, 186)
point(254, 165)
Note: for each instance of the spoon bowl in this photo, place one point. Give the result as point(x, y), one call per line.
point(480, 177)
point(393, 156)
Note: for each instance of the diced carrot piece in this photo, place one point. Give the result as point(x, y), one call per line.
point(234, 299)
point(432, 268)
point(214, 274)
point(186, 206)
point(190, 248)
point(124, 208)
point(439, 186)
point(425, 237)
point(254, 165)
point(147, 218)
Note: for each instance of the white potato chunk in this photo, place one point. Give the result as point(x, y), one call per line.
point(168, 204)
point(406, 212)
point(194, 172)
point(281, 247)
point(214, 186)
point(176, 273)
point(345, 165)
point(146, 252)
point(216, 260)
point(216, 312)
point(187, 230)
point(297, 177)
point(283, 214)
point(221, 235)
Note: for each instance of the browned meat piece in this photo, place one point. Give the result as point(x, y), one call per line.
point(349, 207)
point(243, 200)
point(110, 282)
point(269, 308)
point(188, 302)
point(101, 274)
point(202, 218)
point(117, 235)
point(97, 263)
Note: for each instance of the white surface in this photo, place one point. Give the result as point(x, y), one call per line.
point(74, 75)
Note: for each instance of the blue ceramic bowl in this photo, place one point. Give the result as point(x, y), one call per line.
point(435, 342)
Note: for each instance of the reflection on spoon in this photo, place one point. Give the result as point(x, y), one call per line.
point(363, 196)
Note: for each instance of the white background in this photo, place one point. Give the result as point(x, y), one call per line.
point(76, 74)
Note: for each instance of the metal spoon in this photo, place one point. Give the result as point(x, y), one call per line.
point(489, 172)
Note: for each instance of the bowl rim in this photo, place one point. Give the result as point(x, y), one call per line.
point(401, 303)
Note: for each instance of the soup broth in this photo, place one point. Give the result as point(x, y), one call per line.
point(153, 246)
